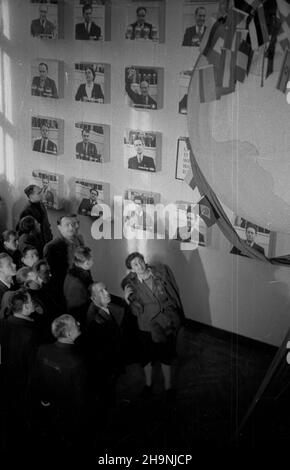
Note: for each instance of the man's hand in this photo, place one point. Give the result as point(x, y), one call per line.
point(127, 292)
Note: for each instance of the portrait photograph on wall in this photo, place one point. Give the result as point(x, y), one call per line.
point(47, 78)
point(144, 87)
point(258, 238)
point(182, 158)
point(92, 82)
point(92, 142)
point(196, 15)
point(46, 19)
point(184, 80)
point(190, 227)
point(142, 150)
point(47, 135)
point(51, 185)
point(92, 20)
point(135, 218)
point(89, 194)
point(146, 21)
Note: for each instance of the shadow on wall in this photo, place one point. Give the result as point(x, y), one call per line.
point(6, 195)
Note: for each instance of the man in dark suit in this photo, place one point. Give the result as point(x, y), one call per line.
point(251, 233)
point(36, 209)
point(46, 194)
point(140, 29)
point(87, 204)
point(143, 99)
point(44, 145)
point(7, 271)
point(88, 29)
point(141, 161)
point(43, 85)
point(42, 27)
point(87, 150)
point(194, 34)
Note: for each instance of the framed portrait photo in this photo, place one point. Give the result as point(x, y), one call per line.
point(92, 20)
point(89, 195)
point(47, 135)
point(144, 87)
point(47, 19)
point(182, 158)
point(92, 82)
point(92, 142)
point(47, 78)
point(191, 228)
point(139, 211)
point(259, 238)
point(145, 21)
point(52, 187)
point(196, 15)
point(142, 150)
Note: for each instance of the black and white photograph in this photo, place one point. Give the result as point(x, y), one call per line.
point(47, 135)
point(92, 142)
point(92, 20)
point(142, 150)
point(52, 188)
point(144, 87)
point(196, 16)
point(258, 238)
point(44, 20)
point(92, 82)
point(47, 78)
point(145, 21)
point(89, 195)
point(190, 226)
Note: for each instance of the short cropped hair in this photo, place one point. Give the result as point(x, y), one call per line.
point(139, 138)
point(87, 6)
point(7, 234)
point(130, 258)
point(18, 299)
point(28, 248)
point(82, 254)
point(61, 326)
point(27, 224)
point(140, 9)
point(199, 8)
point(22, 275)
point(29, 190)
point(45, 65)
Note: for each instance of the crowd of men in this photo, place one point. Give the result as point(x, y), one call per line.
point(63, 341)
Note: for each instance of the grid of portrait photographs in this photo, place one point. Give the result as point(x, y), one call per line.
point(92, 20)
point(191, 228)
point(146, 21)
point(89, 195)
point(142, 150)
point(184, 80)
point(47, 78)
point(258, 237)
point(52, 185)
point(196, 15)
point(92, 82)
point(92, 142)
point(47, 135)
point(144, 87)
point(46, 19)
point(182, 158)
point(135, 215)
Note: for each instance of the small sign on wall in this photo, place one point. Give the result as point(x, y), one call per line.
point(142, 150)
point(47, 135)
point(182, 158)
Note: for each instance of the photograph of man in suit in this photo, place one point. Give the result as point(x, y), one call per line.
point(43, 85)
point(46, 193)
point(142, 99)
point(88, 29)
point(90, 91)
point(45, 145)
point(87, 204)
point(87, 150)
point(251, 233)
point(194, 34)
point(140, 29)
point(141, 161)
point(42, 27)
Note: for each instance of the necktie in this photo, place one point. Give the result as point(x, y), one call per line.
point(43, 146)
point(87, 28)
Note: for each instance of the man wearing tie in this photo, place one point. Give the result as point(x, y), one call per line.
point(194, 34)
point(42, 27)
point(251, 233)
point(143, 99)
point(88, 29)
point(44, 145)
point(141, 161)
point(86, 150)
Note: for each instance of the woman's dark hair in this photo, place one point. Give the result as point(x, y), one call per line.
point(130, 258)
point(92, 70)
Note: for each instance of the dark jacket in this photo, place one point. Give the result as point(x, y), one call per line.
point(148, 26)
point(76, 292)
point(90, 153)
point(146, 164)
point(81, 32)
point(33, 239)
point(192, 37)
point(38, 211)
point(139, 100)
point(57, 254)
point(97, 93)
point(236, 251)
point(37, 30)
point(3, 289)
point(47, 90)
point(51, 147)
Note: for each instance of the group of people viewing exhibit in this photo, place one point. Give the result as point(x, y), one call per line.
point(64, 342)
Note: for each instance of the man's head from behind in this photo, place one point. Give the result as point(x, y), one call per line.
point(66, 226)
point(43, 70)
point(7, 267)
point(100, 295)
point(83, 258)
point(33, 193)
point(65, 329)
point(21, 303)
point(200, 15)
point(139, 146)
point(141, 14)
point(87, 12)
point(251, 233)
